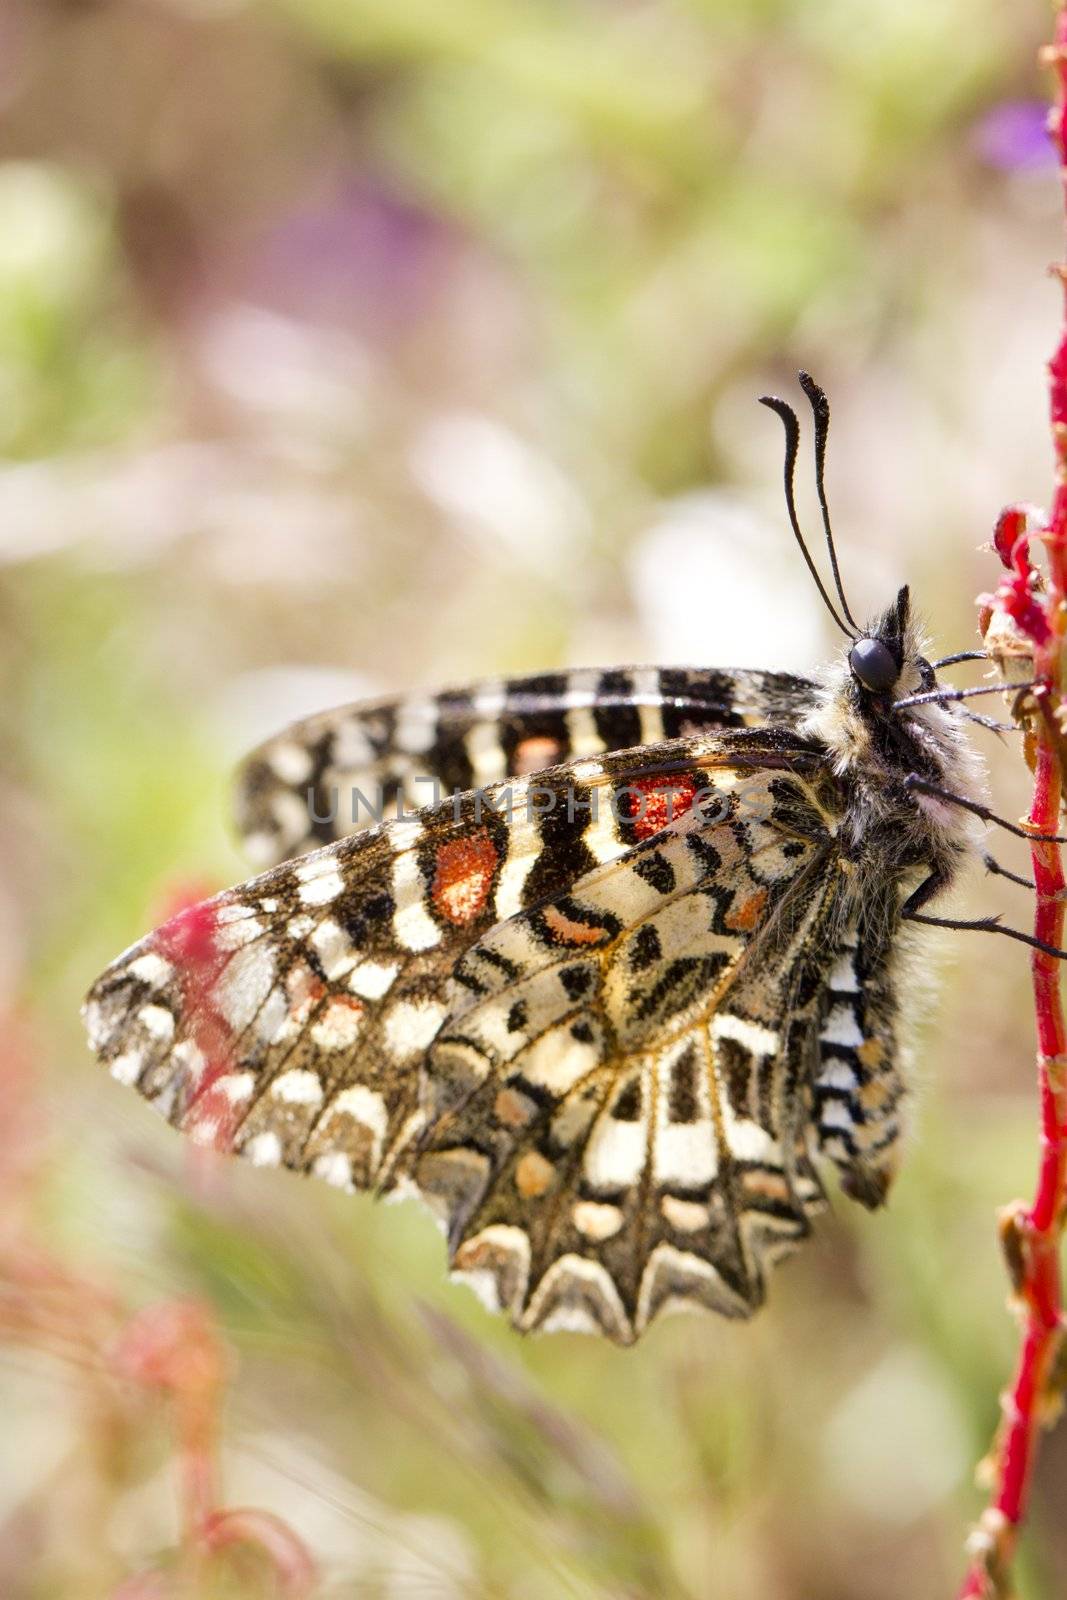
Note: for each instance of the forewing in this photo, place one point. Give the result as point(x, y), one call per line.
point(618, 1108)
point(287, 1019)
point(284, 1021)
point(331, 775)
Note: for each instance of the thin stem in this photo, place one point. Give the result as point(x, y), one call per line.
point(1031, 1233)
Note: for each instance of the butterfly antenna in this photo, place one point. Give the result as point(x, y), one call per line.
point(792, 440)
point(820, 407)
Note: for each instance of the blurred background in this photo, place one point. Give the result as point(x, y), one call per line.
point(353, 345)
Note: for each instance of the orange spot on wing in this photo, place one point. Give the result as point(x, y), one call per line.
point(743, 917)
point(463, 877)
point(534, 1175)
point(654, 802)
point(567, 931)
point(513, 1109)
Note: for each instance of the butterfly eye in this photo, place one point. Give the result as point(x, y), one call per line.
point(874, 665)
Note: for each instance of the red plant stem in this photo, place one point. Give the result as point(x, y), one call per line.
point(1032, 1233)
point(1038, 1228)
point(293, 1570)
point(172, 1347)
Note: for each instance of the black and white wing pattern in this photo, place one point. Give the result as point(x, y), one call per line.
point(332, 774)
point(625, 1105)
point(601, 1019)
point(613, 1100)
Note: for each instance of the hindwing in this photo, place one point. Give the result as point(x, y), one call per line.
point(342, 770)
point(617, 1118)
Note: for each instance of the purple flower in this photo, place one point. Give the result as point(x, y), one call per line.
point(1012, 136)
point(364, 254)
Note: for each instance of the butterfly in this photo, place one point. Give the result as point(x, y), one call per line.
point(604, 966)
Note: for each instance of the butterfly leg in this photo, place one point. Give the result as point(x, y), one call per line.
point(960, 655)
point(995, 870)
point(930, 886)
point(922, 786)
point(911, 912)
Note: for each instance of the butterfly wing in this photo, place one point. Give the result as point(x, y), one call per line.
point(329, 776)
point(588, 1033)
point(287, 1019)
point(619, 1114)
point(283, 1020)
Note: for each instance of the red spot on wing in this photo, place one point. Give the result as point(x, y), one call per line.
point(188, 939)
point(463, 877)
point(652, 803)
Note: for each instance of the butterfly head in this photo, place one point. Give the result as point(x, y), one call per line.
point(860, 720)
point(885, 662)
